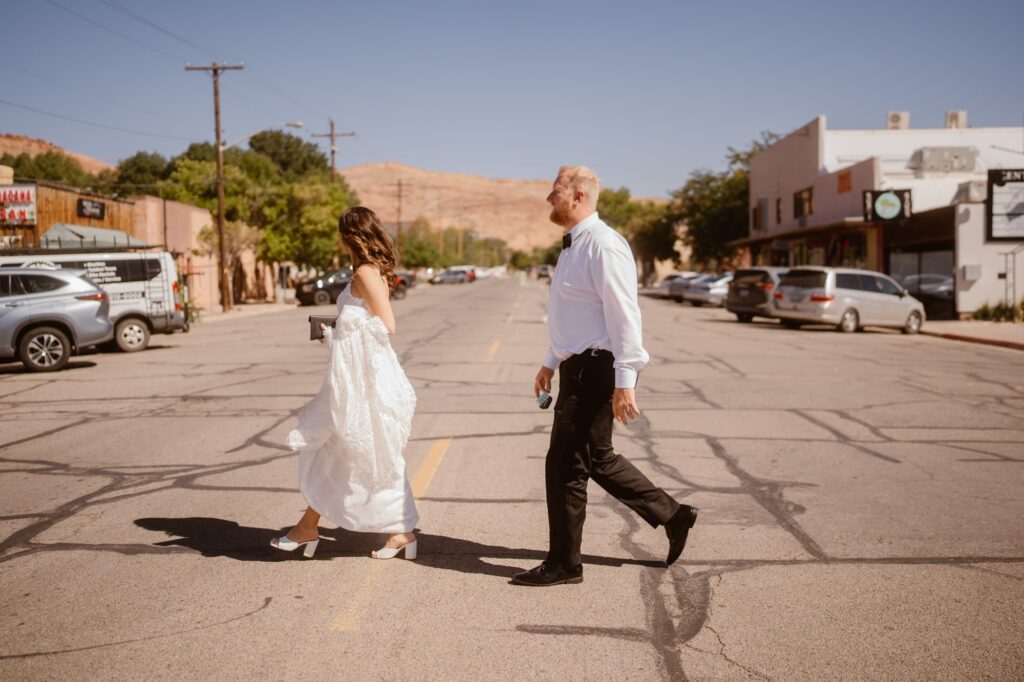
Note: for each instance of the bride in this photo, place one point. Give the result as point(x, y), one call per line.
point(350, 437)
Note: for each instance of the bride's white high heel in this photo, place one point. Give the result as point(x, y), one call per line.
point(392, 552)
point(286, 545)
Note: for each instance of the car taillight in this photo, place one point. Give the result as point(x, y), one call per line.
point(767, 286)
point(98, 296)
point(778, 296)
point(175, 287)
point(822, 298)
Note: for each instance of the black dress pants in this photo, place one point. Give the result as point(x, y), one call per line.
point(581, 449)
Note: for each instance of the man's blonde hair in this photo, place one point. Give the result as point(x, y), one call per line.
point(583, 179)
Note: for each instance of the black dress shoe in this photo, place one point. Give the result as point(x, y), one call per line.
point(677, 530)
point(549, 573)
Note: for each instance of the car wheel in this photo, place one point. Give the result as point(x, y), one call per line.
point(399, 293)
point(131, 335)
point(849, 322)
point(696, 304)
point(321, 298)
point(790, 324)
point(744, 317)
point(913, 323)
point(677, 299)
point(44, 349)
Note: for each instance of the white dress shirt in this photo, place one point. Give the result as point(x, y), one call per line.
point(594, 301)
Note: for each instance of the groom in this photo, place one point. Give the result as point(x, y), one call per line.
point(597, 347)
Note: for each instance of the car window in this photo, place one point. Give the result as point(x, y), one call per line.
point(888, 286)
point(5, 285)
point(846, 280)
point(751, 277)
point(870, 283)
point(40, 284)
point(808, 279)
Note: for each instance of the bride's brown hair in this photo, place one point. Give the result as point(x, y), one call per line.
point(361, 231)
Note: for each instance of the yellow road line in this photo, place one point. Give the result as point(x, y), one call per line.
point(361, 598)
point(508, 318)
point(494, 350)
point(421, 479)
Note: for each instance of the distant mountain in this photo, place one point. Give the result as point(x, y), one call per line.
point(513, 210)
point(19, 144)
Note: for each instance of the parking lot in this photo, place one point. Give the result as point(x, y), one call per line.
point(859, 494)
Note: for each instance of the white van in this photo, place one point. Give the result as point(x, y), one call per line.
point(145, 297)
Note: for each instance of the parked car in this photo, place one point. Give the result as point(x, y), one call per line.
point(750, 292)
point(678, 286)
point(711, 291)
point(663, 287)
point(544, 272)
point(405, 277)
point(48, 315)
point(847, 298)
point(936, 293)
point(470, 271)
point(144, 295)
point(451, 276)
point(325, 289)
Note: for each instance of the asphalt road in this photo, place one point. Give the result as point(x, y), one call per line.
point(861, 510)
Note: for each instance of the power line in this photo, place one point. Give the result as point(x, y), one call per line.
point(212, 53)
point(334, 148)
point(91, 123)
point(89, 93)
point(113, 4)
point(116, 32)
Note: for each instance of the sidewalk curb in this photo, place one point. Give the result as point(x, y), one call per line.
point(1013, 345)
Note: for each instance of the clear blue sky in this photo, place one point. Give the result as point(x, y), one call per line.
point(644, 92)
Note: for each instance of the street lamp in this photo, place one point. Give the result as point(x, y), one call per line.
point(225, 298)
point(286, 124)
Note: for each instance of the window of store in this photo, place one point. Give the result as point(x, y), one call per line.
point(803, 203)
point(778, 210)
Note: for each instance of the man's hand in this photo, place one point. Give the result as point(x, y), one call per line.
point(543, 381)
point(624, 406)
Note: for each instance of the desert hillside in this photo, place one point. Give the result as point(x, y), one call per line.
point(19, 144)
point(513, 210)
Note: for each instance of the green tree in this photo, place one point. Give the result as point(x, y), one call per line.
point(300, 222)
point(714, 206)
point(418, 246)
point(291, 154)
point(140, 173)
point(50, 165)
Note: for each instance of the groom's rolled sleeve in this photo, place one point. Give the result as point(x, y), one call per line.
point(551, 360)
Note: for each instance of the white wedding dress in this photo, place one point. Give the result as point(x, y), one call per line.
point(351, 436)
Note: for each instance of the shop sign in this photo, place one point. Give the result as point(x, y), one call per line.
point(18, 205)
point(88, 208)
point(1005, 205)
point(887, 206)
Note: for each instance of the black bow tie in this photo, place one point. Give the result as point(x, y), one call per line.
point(566, 240)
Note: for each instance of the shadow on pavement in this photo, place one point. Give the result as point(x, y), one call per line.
point(221, 538)
point(18, 368)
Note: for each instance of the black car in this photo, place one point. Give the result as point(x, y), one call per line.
point(325, 289)
point(750, 292)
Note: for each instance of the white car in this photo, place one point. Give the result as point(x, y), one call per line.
point(711, 292)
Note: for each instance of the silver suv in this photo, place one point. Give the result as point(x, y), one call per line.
point(47, 315)
point(847, 298)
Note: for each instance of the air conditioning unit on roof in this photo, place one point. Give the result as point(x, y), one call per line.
point(898, 120)
point(956, 119)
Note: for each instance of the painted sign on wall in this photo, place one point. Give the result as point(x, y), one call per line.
point(18, 205)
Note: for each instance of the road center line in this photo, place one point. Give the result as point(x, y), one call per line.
point(494, 350)
point(360, 599)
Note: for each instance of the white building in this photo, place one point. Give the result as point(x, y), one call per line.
point(807, 206)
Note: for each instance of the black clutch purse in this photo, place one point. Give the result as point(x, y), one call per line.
point(315, 333)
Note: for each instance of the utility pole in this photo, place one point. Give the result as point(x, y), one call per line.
point(215, 70)
point(398, 222)
point(334, 147)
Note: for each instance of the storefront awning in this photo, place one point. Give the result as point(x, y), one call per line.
point(67, 236)
point(847, 224)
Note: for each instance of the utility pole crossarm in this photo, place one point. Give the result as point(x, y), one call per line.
point(334, 149)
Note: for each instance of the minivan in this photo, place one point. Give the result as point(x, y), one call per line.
point(145, 297)
point(848, 298)
point(751, 290)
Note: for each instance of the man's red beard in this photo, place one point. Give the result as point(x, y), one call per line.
point(561, 214)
